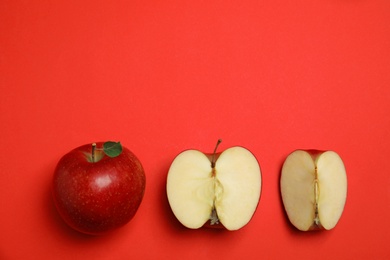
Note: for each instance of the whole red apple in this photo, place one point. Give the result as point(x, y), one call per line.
point(98, 187)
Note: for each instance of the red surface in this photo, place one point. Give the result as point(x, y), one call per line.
point(164, 76)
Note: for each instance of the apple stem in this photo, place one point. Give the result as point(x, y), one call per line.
point(215, 151)
point(93, 152)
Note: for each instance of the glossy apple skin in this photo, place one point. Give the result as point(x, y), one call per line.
point(314, 153)
point(95, 198)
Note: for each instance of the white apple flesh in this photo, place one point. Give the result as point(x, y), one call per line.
point(214, 189)
point(314, 189)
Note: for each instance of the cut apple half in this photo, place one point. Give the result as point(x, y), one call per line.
point(314, 189)
point(217, 189)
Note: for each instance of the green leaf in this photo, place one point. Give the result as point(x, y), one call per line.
point(112, 149)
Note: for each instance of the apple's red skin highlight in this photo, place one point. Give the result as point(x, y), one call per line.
point(95, 198)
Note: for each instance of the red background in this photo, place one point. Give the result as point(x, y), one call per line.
point(164, 76)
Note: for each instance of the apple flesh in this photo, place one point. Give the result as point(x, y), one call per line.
point(215, 190)
point(96, 194)
point(314, 189)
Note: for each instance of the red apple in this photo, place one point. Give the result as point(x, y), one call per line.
point(214, 190)
point(96, 190)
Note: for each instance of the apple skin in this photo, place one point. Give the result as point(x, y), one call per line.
point(95, 198)
point(314, 153)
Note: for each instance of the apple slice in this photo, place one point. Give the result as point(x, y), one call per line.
point(214, 189)
point(314, 189)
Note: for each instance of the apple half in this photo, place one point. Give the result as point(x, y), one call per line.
point(314, 189)
point(215, 190)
